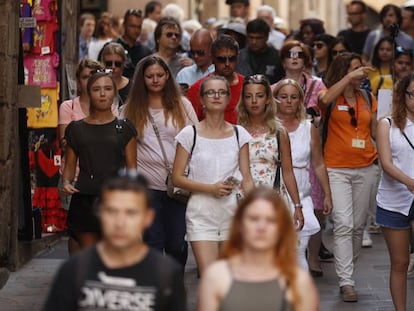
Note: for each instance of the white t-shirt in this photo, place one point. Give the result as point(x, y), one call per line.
point(392, 195)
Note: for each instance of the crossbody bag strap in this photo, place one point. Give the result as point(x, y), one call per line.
point(157, 133)
point(119, 139)
point(276, 184)
point(409, 141)
point(309, 92)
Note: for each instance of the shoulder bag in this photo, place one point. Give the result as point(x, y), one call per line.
point(175, 193)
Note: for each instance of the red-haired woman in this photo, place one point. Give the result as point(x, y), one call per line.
point(259, 269)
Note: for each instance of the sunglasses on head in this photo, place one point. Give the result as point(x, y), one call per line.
point(110, 63)
point(197, 52)
point(295, 54)
point(105, 71)
point(257, 78)
point(225, 59)
point(401, 50)
point(354, 121)
point(135, 12)
point(170, 34)
point(318, 46)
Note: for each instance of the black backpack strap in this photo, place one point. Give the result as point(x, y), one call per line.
point(194, 140)
point(324, 135)
point(236, 130)
point(381, 82)
point(367, 97)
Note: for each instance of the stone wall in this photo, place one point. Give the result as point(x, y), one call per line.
point(9, 48)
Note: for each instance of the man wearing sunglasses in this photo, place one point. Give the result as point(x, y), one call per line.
point(167, 36)
point(134, 49)
point(200, 45)
point(258, 57)
point(225, 51)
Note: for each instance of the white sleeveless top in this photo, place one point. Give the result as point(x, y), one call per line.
point(393, 195)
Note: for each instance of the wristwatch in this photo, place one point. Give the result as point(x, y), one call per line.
point(298, 205)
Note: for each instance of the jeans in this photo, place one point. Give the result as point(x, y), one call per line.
point(167, 232)
point(351, 191)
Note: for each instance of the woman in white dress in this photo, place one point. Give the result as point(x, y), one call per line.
point(217, 154)
point(257, 113)
point(306, 151)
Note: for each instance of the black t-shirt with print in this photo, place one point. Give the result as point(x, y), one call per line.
point(85, 283)
point(100, 149)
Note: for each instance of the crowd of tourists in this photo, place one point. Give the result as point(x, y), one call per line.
point(241, 140)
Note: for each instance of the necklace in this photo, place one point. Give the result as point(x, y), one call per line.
point(257, 129)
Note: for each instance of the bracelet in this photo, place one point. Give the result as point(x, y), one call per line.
point(298, 205)
point(67, 182)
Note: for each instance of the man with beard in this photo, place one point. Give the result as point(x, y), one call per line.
point(225, 51)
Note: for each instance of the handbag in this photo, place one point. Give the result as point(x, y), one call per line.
point(278, 185)
point(173, 192)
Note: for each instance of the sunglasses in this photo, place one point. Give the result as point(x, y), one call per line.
point(110, 64)
point(354, 121)
point(219, 93)
point(318, 46)
point(170, 34)
point(401, 50)
point(135, 12)
point(258, 78)
point(225, 59)
point(105, 71)
point(295, 54)
point(335, 52)
point(197, 52)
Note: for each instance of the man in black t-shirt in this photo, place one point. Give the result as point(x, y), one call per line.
point(120, 272)
point(355, 36)
point(258, 57)
point(134, 49)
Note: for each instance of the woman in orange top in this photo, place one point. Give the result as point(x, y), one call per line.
point(350, 156)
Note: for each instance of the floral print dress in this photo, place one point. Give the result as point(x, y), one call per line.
point(263, 149)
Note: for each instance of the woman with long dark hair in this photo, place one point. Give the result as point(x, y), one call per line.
point(351, 159)
point(158, 111)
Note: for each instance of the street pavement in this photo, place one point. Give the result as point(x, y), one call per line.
point(27, 288)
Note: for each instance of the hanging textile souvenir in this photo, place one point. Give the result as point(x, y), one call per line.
point(26, 11)
point(41, 69)
point(44, 10)
point(46, 161)
point(47, 115)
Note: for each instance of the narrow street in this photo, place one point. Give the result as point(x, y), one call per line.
point(27, 288)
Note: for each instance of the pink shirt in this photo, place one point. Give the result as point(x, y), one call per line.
point(150, 162)
point(70, 110)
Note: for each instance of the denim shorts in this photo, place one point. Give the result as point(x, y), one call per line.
point(394, 220)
